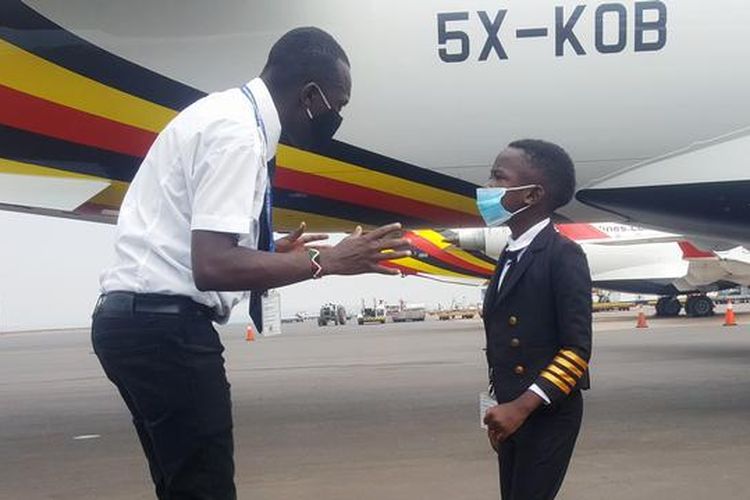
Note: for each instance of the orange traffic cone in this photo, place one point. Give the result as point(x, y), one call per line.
point(729, 319)
point(641, 318)
point(250, 333)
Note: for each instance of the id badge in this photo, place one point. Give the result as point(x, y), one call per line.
point(485, 403)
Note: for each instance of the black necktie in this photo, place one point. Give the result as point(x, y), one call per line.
point(265, 243)
point(510, 258)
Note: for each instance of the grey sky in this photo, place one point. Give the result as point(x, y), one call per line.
point(49, 277)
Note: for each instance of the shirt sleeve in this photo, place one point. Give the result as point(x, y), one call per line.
point(572, 283)
point(225, 181)
point(539, 392)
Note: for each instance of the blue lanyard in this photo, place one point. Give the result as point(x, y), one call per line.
point(269, 191)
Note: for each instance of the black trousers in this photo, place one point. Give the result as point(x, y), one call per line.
point(169, 370)
point(534, 460)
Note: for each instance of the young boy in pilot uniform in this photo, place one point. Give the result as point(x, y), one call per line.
point(537, 318)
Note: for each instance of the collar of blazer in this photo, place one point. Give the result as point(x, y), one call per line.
point(538, 244)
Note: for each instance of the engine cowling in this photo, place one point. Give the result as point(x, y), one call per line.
point(489, 240)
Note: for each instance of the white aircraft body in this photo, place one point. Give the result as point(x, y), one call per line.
point(440, 85)
point(640, 261)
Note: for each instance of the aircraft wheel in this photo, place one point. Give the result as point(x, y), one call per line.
point(341, 314)
point(699, 306)
point(668, 307)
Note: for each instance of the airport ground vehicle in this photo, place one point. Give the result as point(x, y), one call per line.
point(464, 313)
point(330, 312)
point(375, 314)
point(404, 313)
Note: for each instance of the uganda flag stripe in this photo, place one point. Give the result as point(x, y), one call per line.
point(27, 29)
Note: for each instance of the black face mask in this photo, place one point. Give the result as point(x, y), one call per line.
point(325, 124)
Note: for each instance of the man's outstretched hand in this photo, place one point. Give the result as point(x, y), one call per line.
point(362, 252)
point(297, 240)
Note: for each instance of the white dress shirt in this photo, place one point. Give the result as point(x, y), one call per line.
point(520, 245)
point(205, 171)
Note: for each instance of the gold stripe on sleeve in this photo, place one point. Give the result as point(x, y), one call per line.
point(563, 375)
point(575, 358)
point(559, 383)
point(570, 366)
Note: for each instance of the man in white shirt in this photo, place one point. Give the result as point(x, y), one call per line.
point(194, 233)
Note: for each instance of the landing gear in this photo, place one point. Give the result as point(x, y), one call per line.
point(699, 306)
point(668, 307)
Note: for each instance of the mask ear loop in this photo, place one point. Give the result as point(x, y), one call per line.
point(518, 188)
point(325, 99)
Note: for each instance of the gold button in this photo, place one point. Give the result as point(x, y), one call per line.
point(512, 321)
point(520, 370)
point(515, 342)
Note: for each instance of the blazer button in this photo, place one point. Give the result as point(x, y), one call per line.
point(512, 321)
point(519, 370)
point(515, 342)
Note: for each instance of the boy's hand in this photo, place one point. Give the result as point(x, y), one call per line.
point(495, 441)
point(504, 420)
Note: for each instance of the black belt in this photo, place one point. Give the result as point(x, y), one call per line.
point(131, 303)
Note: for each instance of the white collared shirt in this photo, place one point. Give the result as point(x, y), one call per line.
point(205, 171)
point(521, 244)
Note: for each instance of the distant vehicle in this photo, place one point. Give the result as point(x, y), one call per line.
point(376, 314)
point(332, 313)
point(404, 313)
point(297, 318)
point(462, 313)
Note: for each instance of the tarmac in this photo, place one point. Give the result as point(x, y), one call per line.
point(391, 412)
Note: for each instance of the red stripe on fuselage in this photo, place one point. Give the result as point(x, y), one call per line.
point(581, 232)
point(26, 112)
point(690, 251)
point(286, 178)
point(433, 251)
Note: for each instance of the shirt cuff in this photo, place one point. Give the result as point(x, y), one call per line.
point(539, 392)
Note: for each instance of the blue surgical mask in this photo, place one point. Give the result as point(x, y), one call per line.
point(490, 204)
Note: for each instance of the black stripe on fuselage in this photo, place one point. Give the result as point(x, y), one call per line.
point(293, 200)
point(28, 147)
point(24, 27)
point(379, 163)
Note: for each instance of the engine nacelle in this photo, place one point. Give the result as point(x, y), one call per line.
point(489, 240)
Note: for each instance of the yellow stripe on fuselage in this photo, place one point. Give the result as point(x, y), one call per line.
point(421, 267)
point(285, 219)
point(329, 168)
point(433, 237)
point(16, 167)
point(437, 239)
point(28, 73)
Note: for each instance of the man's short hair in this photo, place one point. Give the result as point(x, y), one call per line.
point(556, 167)
point(305, 54)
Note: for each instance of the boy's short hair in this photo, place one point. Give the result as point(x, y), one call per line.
point(556, 167)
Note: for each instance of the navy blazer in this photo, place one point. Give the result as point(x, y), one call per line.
point(538, 326)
